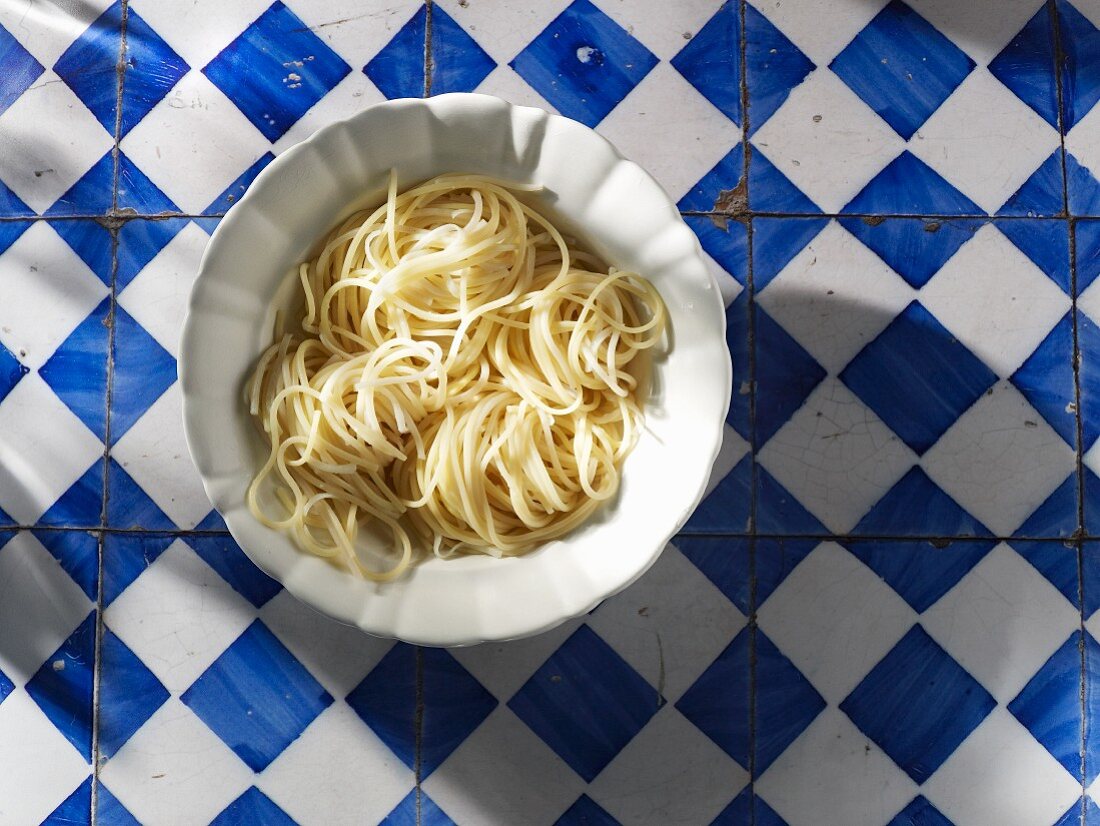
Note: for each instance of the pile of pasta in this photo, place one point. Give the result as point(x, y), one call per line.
point(463, 375)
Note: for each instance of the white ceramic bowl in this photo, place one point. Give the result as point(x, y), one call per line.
point(612, 203)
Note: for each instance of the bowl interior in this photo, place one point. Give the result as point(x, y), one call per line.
point(589, 190)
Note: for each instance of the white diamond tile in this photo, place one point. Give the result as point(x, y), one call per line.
point(338, 656)
point(46, 30)
point(44, 449)
point(197, 30)
point(664, 28)
point(338, 772)
point(834, 619)
point(175, 770)
point(47, 292)
point(1083, 140)
point(995, 300)
point(503, 773)
point(985, 140)
point(821, 30)
point(154, 453)
point(834, 776)
point(972, 27)
point(643, 786)
point(1001, 774)
point(827, 141)
point(730, 452)
point(835, 297)
point(836, 456)
point(1001, 460)
point(1001, 622)
point(194, 143)
point(157, 297)
point(671, 130)
point(39, 768)
point(40, 606)
point(505, 83)
point(351, 95)
point(670, 625)
point(178, 617)
point(356, 31)
point(40, 166)
point(503, 30)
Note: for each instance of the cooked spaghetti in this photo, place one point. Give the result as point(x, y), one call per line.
point(463, 373)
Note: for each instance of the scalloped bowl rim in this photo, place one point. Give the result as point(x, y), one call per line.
point(438, 614)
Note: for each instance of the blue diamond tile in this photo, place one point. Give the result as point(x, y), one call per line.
point(129, 694)
point(92, 242)
point(125, 558)
point(1091, 495)
point(137, 192)
point(1090, 577)
point(212, 522)
point(109, 811)
point(1057, 516)
point(921, 572)
point(918, 704)
point(1046, 380)
point(90, 66)
point(77, 370)
point(566, 702)
point(785, 376)
point(20, 69)
point(1091, 678)
point(407, 812)
point(235, 190)
point(917, 506)
point(257, 697)
point(386, 701)
point(62, 687)
point(1041, 194)
point(584, 63)
point(454, 704)
point(81, 505)
point(1082, 188)
point(718, 703)
point(1080, 41)
point(253, 808)
point(1050, 705)
point(737, 340)
point(785, 703)
point(74, 810)
point(914, 248)
point(78, 553)
point(1088, 253)
point(1088, 342)
point(779, 512)
point(398, 69)
point(6, 686)
point(585, 812)
point(718, 185)
point(459, 64)
point(909, 186)
point(139, 242)
point(143, 370)
point(902, 67)
point(727, 508)
point(11, 371)
point(724, 561)
point(748, 809)
point(772, 191)
point(1092, 814)
point(152, 69)
point(10, 230)
point(917, 377)
point(91, 194)
point(920, 812)
point(773, 64)
point(726, 241)
point(775, 243)
point(1045, 243)
point(711, 60)
point(774, 560)
point(226, 557)
point(11, 205)
point(1026, 66)
point(252, 71)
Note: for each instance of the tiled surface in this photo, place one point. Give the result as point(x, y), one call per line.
point(884, 612)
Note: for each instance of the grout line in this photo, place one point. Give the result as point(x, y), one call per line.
point(97, 676)
point(1083, 682)
point(120, 72)
point(418, 727)
point(1059, 60)
point(428, 68)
